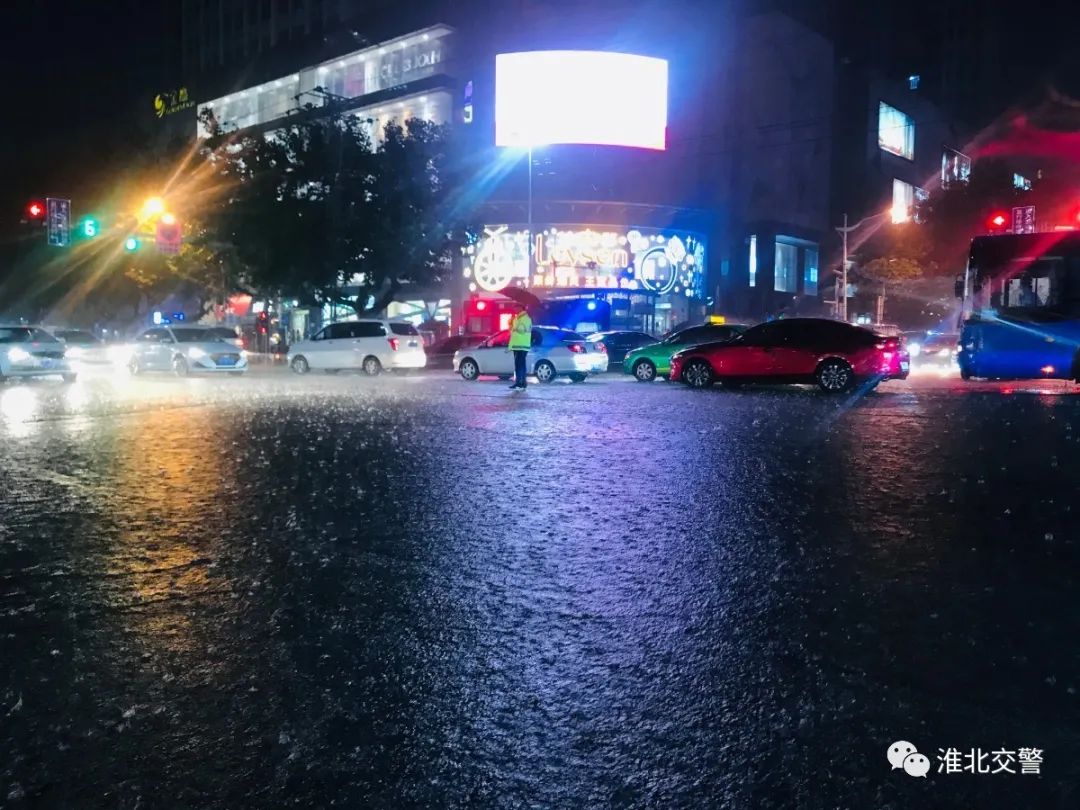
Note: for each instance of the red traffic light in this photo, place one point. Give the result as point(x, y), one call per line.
point(35, 209)
point(997, 221)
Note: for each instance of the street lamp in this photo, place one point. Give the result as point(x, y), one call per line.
point(844, 230)
point(153, 207)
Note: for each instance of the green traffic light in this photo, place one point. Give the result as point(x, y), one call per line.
point(131, 244)
point(90, 227)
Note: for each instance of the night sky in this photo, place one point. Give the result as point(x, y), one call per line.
point(77, 75)
point(80, 77)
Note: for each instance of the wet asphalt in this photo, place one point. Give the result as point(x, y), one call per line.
point(420, 592)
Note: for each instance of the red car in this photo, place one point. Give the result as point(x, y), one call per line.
point(833, 354)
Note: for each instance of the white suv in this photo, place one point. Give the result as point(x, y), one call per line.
point(26, 351)
point(367, 345)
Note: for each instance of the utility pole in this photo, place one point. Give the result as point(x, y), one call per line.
point(842, 301)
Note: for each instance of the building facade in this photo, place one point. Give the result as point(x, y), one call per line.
point(771, 135)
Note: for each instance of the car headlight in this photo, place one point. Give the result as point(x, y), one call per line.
point(914, 349)
point(119, 354)
point(944, 352)
point(18, 355)
point(195, 353)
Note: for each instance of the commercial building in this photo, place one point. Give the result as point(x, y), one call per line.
point(626, 201)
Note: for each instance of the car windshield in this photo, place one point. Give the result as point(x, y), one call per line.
point(220, 333)
point(195, 335)
point(25, 334)
point(77, 337)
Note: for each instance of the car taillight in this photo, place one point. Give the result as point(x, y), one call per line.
point(600, 345)
point(576, 348)
point(393, 344)
point(889, 345)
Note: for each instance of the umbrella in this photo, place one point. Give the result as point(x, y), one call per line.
point(527, 299)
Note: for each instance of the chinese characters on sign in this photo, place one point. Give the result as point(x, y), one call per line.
point(574, 258)
point(171, 102)
point(58, 221)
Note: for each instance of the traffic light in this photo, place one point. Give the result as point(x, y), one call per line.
point(35, 209)
point(131, 244)
point(997, 222)
point(262, 323)
point(89, 228)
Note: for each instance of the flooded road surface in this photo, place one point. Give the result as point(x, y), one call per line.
point(419, 592)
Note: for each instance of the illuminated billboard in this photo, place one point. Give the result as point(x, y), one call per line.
point(581, 257)
point(586, 97)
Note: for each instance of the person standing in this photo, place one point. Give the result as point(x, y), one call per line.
point(520, 343)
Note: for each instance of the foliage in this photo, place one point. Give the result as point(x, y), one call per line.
point(316, 211)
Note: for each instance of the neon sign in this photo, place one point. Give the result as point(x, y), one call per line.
point(640, 259)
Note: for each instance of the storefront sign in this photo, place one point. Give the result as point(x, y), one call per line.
point(581, 257)
point(171, 102)
point(409, 63)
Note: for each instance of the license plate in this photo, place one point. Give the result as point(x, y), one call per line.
point(412, 344)
point(226, 361)
point(47, 362)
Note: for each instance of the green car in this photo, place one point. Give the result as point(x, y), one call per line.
point(654, 360)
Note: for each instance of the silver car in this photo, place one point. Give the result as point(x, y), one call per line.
point(555, 352)
point(184, 350)
point(26, 351)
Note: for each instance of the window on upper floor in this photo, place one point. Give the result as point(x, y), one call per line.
point(896, 131)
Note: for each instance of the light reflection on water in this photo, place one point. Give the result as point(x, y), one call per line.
point(18, 409)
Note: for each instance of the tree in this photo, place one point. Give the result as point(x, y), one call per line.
point(894, 256)
point(316, 211)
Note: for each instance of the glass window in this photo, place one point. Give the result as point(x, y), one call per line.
point(499, 340)
point(810, 271)
point(403, 329)
point(77, 337)
point(896, 131)
point(366, 329)
point(337, 331)
point(903, 200)
point(16, 334)
point(955, 167)
point(753, 261)
point(766, 334)
point(192, 335)
point(152, 336)
point(787, 264)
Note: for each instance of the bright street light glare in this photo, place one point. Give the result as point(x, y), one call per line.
point(153, 207)
point(168, 219)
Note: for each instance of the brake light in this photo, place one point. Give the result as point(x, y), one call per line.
point(576, 348)
point(889, 345)
point(393, 344)
point(600, 345)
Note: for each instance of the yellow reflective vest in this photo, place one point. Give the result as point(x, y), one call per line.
point(521, 332)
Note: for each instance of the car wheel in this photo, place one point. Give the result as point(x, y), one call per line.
point(372, 367)
point(578, 377)
point(180, 366)
point(965, 375)
point(70, 378)
point(698, 374)
point(300, 365)
point(545, 371)
point(469, 370)
point(644, 371)
point(834, 376)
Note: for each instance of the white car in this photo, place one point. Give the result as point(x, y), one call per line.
point(82, 349)
point(26, 351)
point(555, 352)
point(369, 345)
point(184, 350)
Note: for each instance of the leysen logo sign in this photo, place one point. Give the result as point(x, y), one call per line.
point(172, 102)
point(586, 97)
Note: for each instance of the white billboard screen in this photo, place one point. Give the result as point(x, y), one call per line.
point(586, 97)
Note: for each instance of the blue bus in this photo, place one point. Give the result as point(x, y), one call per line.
point(1022, 293)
